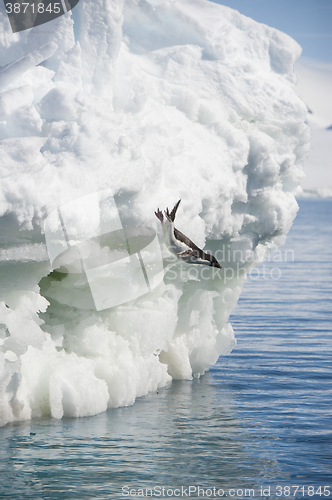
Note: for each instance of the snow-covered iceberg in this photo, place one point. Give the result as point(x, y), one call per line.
point(153, 101)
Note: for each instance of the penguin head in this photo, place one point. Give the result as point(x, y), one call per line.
point(214, 262)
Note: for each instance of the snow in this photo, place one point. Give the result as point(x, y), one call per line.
point(314, 87)
point(148, 102)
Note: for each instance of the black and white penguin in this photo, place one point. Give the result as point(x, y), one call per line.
point(181, 246)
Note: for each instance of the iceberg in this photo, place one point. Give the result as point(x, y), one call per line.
point(107, 113)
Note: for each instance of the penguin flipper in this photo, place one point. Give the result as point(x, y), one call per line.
point(181, 237)
point(188, 253)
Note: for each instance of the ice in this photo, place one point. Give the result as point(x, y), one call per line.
point(148, 102)
point(13, 71)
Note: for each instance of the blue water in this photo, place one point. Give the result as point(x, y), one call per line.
point(259, 420)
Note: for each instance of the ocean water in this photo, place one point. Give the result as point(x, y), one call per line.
point(257, 425)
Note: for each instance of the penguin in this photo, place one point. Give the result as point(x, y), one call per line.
point(179, 244)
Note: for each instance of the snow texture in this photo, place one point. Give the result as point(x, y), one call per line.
point(157, 101)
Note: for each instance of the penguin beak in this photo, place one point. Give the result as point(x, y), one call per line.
point(216, 264)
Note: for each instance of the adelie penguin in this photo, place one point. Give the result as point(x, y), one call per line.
point(179, 244)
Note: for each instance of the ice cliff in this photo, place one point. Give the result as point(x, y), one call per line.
point(154, 101)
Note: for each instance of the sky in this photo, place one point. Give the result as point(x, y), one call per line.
point(309, 22)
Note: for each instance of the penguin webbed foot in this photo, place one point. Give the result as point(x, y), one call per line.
point(159, 215)
point(167, 215)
